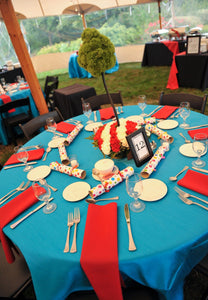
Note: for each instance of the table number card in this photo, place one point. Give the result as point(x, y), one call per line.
point(193, 44)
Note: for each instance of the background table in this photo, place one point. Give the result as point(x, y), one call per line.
point(171, 237)
point(192, 71)
point(75, 71)
point(157, 54)
point(68, 99)
point(10, 76)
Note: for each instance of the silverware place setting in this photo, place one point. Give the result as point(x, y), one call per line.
point(20, 165)
point(132, 246)
point(174, 178)
point(93, 201)
point(20, 188)
point(70, 223)
point(187, 195)
point(189, 202)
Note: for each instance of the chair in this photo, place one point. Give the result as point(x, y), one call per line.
point(196, 102)
point(32, 127)
point(98, 100)
point(51, 84)
point(15, 277)
point(10, 122)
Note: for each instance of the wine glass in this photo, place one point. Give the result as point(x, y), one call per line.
point(43, 193)
point(200, 147)
point(87, 110)
point(142, 104)
point(134, 188)
point(184, 111)
point(22, 155)
point(51, 124)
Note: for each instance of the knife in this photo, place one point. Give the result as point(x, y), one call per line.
point(193, 127)
point(95, 116)
point(201, 170)
point(20, 165)
point(132, 246)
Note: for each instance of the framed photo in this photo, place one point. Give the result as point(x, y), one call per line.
point(193, 44)
point(140, 146)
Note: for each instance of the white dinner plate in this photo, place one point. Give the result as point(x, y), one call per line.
point(38, 172)
point(167, 124)
point(153, 190)
point(56, 142)
point(187, 150)
point(76, 191)
point(135, 119)
point(114, 172)
point(92, 126)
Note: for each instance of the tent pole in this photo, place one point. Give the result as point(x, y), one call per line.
point(159, 11)
point(84, 21)
point(20, 47)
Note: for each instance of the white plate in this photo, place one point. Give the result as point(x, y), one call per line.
point(167, 124)
point(92, 126)
point(76, 191)
point(38, 172)
point(56, 142)
point(135, 119)
point(153, 190)
point(115, 171)
point(187, 150)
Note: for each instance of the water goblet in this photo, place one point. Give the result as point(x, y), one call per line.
point(22, 155)
point(42, 192)
point(142, 104)
point(184, 112)
point(87, 110)
point(200, 147)
point(134, 188)
point(51, 124)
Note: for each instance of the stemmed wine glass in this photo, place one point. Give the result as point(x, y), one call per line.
point(142, 104)
point(43, 193)
point(22, 155)
point(184, 111)
point(51, 124)
point(134, 188)
point(87, 110)
point(200, 147)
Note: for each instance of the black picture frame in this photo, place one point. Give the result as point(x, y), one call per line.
point(140, 146)
point(193, 44)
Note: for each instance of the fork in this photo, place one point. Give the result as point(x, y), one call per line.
point(186, 195)
point(186, 140)
point(21, 184)
point(189, 202)
point(76, 221)
point(17, 190)
point(70, 222)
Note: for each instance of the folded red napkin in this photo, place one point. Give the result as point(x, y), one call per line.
point(164, 112)
point(33, 155)
point(200, 130)
point(10, 211)
point(65, 127)
point(6, 99)
point(99, 257)
point(195, 181)
point(106, 113)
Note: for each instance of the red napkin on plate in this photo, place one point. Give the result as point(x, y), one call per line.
point(99, 257)
point(195, 181)
point(6, 99)
point(65, 127)
point(33, 155)
point(10, 211)
point(106, 113)
point(200, 130)
point(164, 112)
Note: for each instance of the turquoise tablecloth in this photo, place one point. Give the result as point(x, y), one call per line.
point(171, 237)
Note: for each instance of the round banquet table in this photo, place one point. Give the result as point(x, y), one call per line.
point(171, 237)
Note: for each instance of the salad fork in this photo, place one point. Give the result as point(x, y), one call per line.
point(21, 185)
point(22, 188)
point(189, 202)
point(186, 195)
point(76, 221)
point(70, 222)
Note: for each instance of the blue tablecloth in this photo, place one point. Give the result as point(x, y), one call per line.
point(75, 71)
point(171, 237)
point(15, 96)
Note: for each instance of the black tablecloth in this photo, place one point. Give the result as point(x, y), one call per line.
point(68, 99)
point(10, 76)
point(157, 54)
point(192, 71)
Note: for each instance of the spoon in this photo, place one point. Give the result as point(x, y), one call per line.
point(174, 178)
point(47, 151)
point(186, 140)
point(93, 201)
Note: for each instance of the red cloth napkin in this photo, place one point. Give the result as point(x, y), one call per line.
point(24, 88)
point(10, 211)
point(172, 79)
point(164, 112)
point(200, 130)
point(99, 257)
point(33, 155)
point(6, 99)
point(195, 181)
point(106, 113)
point(65, 127)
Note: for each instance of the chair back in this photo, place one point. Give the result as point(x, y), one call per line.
point(98, 100)
point(4, 108)
point(33, 126)
point(196, 102)
point(51, 84)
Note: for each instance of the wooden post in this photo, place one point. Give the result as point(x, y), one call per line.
point(20, 47)
point(84, 21)
point(159, 11)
